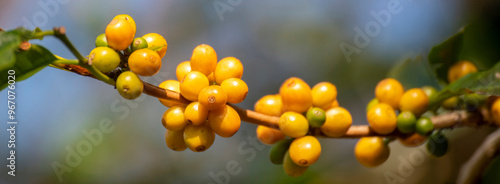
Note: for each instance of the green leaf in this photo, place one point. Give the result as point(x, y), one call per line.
point(444, 55)
point(485, 83)
point(157, 48)
point(478, 42)
point(412, 73)
point(27, 63)
point(9, 43)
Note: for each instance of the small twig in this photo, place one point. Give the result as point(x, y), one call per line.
point(473, 169)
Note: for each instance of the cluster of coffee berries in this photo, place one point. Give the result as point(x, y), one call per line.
point(395, 109)
point(301, 109)
point(208, 85)
point(118, 50)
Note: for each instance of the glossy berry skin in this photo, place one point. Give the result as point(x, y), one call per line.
point(129, 85)
point(192, 84)
point(119, 34)
point(104, 59)
point(225, 122)
point(295, 95)
point(182, 69)
point(175, 140)
point(236, 89)
point(338, 121)
point(413, 140)
point(204, 59)
point(424, 126)
point(129, 19)
point(414, 100)
point(495, 111)
point(228, 67)
point(382, 118)
point(270, 105)
point(371, 151)
point(316, 117)
point(293, 124)
point(389, 91)
point(305, 151)
point(406, 122)
point(213, 97)
point(171, 85)
point(292, 169)
point(156, 40)
point(198, 138)
point(173, 118)
point(195, 113)
point(268, 135)
point(138, 43)
point(144, 62)
point(323, 94)
point(100, 41)
point(211, 79)
point(460, 69)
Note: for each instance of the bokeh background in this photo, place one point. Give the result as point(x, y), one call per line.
point(274, 41)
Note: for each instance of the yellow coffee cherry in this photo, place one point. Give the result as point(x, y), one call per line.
point(414, 100)
point(155, 40)
point(182, 69)
point(213, 97)
point(175, 140)
point(293, 124)
point(236, 90)
point(269, 135)
point(495, 111)
point(324, 94)
point(198, 138)
point(460, 69)
point(338, 121)
point(195, 113)
point(119, 34)
point(335, 103)
point(270, 105)
point(129, 19)
point(389, 91)
point(171, 85)
point(204, 59)
point(229, 67)
point(295, 95)
point(225, 122)
point(371, 151)
point(192, 84)
point(211, 78)
point(144, 62)
point(305, 151)
point(382, 118)
point(292, 169)
point(173, 119)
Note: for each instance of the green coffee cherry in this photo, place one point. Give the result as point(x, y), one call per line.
point(437, 144)
point(292, 169)
point(372, 103)
point(129, 85)
point(138, 43)
point(474, 100)
point(101, 41)
point(451, 103)
point(424, 126)
point(316, 117)
point(104, 59)
point(406, 122)
point(278, 151)
point(429, 91)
